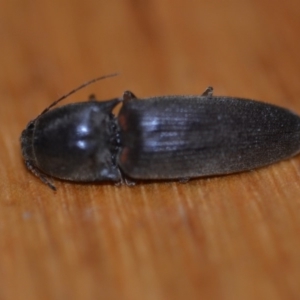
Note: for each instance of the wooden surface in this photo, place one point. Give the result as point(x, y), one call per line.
point(232, 237)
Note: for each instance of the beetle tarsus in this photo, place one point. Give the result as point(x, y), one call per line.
point(129, 182)
point(128, 96)
point(208, 92)
point(125, 181)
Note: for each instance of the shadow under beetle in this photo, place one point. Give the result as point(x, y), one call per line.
point(166, 137)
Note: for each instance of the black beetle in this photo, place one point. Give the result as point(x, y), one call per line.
point(167, 137)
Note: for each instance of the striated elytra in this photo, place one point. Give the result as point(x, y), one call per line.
point(166, 137)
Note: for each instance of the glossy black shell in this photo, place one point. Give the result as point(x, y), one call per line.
point(183, 137)
point(171, 137)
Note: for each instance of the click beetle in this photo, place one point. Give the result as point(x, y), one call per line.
point(157, 138)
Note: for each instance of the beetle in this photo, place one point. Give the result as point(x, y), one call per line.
point(158, 138)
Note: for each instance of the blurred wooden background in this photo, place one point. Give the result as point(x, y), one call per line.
point(232, 237)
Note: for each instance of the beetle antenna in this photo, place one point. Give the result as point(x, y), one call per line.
point(76, 90)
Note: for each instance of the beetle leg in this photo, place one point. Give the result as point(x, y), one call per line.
point(128, 96)
point(125, 180)
point(38, 174)
point(208, 92)
point(129, 182)
point(92, 97)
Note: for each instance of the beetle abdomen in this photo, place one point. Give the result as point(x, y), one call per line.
point(171, 137)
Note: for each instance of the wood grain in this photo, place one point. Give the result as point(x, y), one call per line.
point(232, 237)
